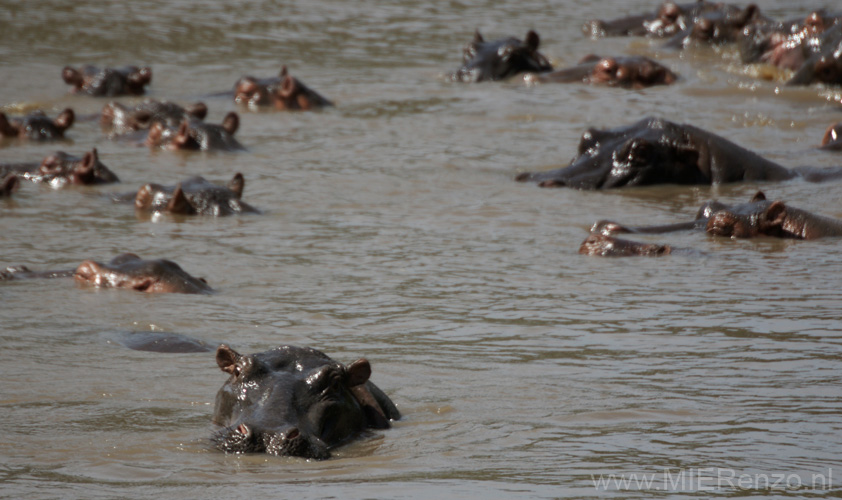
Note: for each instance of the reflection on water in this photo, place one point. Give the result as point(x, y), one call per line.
point(393, 230)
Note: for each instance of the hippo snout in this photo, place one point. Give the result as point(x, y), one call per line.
point(289, 442)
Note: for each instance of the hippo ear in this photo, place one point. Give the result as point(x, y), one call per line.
point(284, 72)
point(9, 185)
point(65, 119)
point(237, 184)
point(289, 87)
point(155, 134)
point(87, 271)
point(71, 76)
point(774, 215)
point(226, 358)
point(758, 196)
point(182, 136)
point(358, 372)
point(532, 40)
point(231, 123)
point(478, 37)
point(179, 204)
point(198, 110)
point(749, 14)
point(6, 128)
point(84, 170)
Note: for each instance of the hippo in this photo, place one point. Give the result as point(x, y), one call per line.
point(196, 135)
point(721, 26)
point(832, 140)
point(657, 151)
point(36, 126)
point(194, 196)
point(60, 169)
point(295, 401)
point(500, 59)
point(668, 20)
point(825, 65)
point(8, 185)
point(163, 342)
point(602, 245)
point(131, 272)
point(758, 217)
point(631, 72)
point(787, 44)
point(107, 82)
point(121, 119)
point(283, 92)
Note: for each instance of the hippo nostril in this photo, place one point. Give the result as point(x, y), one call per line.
point(292, 433)
point(243, 429)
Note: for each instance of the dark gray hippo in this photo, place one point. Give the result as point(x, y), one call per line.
point(657, 151)
point(668, 20)
point(107, 82)
point(500, 59)
point(194, 196)
point(294, 401)
point(630, 72)
point(196, 135)
point(36, 126)
point(602, 245)
point(283, 92)
point(61, 169)
point(131, 272)
point(119, 119)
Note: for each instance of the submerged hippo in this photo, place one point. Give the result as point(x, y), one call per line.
point(668, 20)
point(500, 59)
point(131, 272)
point(283, 92)
point(36, 126)
point(294, 401)
point(8, 185)
point(786, 44)
point(602, 245)
point(196, 135)
point(758, 217)
point(631, 72)
point(107, 82)
point(657, 151)
point(60, 169)
point(832, 139)
point(195, 196)
point(719, 26)
point(825, 65)
point(121, 119)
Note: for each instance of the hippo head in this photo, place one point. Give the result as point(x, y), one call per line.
point(648, 152)
point(194, 135)
point(500, 59)
point(61, 168)
point(283, 93)
point(755, 218)
point(194, 196)
point(121, 119)
point(94, 81)
point(131, 272)
point(292, 401)
point(603, 245)
point(37, 125)
point(634, 72)
point(722, 26)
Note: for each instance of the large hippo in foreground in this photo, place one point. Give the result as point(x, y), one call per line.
point(36, 126)
point(658, 151)
point(194, 196)
point(500, 59)
point(131, 272)
point(283, 92)
point(630, 72)
point(60, 169)
point(758, 217)
point(293, 401)
point(107, 82)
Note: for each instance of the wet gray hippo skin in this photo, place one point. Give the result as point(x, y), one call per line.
point(786, 44)
point(60, 169)
point(668, 20)
point(196, 135)
point(121, 119)
point(131, 272)
point(631, 72)
point(36, 126)
point(195, 196)
point(163, 342)
point(283, 92)
point(8, 184)
point(832, 140)
point(720, 26)
point(824, 66)
point(758, 217)
point(602, 245)
point(657, 151)
point(500, 59)
point(293, 401)
point(107, 82)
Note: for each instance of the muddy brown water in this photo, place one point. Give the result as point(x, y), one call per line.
point(393, 230)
